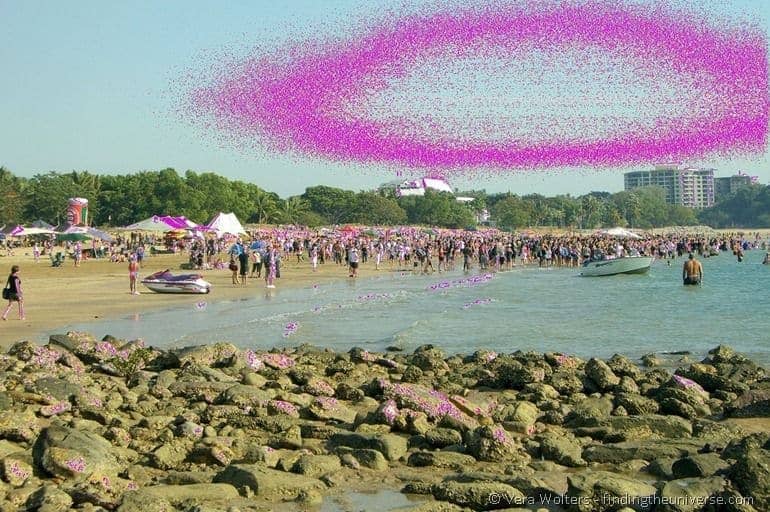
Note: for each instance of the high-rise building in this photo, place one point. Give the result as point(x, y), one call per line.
point(685, 186)
point(728, 185)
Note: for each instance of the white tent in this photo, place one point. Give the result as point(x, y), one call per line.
point(223, 223)
point(25, 231)
point(160, 224)
point(619, 233)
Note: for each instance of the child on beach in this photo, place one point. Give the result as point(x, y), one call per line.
point(233, 266)
point(256, 262)
point(133, 273)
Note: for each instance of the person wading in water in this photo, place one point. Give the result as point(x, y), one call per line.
point(692, 272)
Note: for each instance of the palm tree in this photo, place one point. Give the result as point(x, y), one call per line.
point(265, 208)
point(292, 209)
point(589, 207)
point(11, 198)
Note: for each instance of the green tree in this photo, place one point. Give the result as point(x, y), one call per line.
point(565, 210)
point(679, 215)
point(589, 211)
point(47, 195)
point(610, 214)
point(292, 210)
point(265, 207)
point(372, 208)
point(653, 209)
point(334, 204)
point(11, 197)
point(512, 212)
point(437, 209)
point(629, 205)
point(746, 207)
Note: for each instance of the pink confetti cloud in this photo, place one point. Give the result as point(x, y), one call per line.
point(313, 98)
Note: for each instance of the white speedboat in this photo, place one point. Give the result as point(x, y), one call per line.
point(611, 267)
point(166, 282)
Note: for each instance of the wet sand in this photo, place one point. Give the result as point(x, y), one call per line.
point(56, 297)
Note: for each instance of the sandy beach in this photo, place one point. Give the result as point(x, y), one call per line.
point(99, 289)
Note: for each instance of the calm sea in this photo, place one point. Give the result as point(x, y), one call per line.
point(536, 309)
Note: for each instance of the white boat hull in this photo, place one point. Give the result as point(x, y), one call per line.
point(178, 287)
point(166, 282)
point(629, 265)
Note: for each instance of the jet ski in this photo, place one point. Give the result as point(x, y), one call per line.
point(166, 282)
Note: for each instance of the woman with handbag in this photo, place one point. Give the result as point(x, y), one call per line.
point(13, 293)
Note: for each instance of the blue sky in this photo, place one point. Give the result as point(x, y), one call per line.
point(89, 85)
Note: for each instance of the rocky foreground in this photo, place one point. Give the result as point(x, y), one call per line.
point(114, 425)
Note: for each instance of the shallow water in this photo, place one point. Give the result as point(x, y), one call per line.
point(381, 500)
point(524, 309)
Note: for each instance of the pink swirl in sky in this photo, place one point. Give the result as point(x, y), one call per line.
point(506, 87)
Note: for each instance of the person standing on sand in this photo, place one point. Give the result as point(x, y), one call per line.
point(243, 260)
point(78, 253)
point(133, 273)
point(15, 293)
point(233, 266)
point(692, 272)
point(256, 261)
point(314, 257)
point(353, 260)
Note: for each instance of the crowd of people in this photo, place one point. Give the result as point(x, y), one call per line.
point(260, 253)
point(428, 252)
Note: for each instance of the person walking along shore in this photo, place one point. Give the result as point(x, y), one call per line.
point(133, 273)
point(14, 294)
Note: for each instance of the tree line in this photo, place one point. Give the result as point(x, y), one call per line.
point(118, 200)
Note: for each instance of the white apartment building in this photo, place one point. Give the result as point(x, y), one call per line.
point(685, 186)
